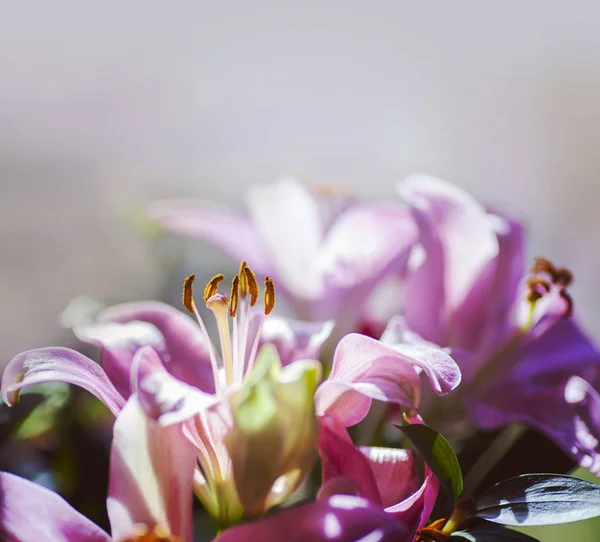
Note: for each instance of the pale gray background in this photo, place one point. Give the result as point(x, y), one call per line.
point(106, 105)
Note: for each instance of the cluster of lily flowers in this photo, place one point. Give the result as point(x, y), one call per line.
point(423, 312)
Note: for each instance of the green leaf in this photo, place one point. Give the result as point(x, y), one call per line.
point(438, 454)
point(540, 499)
point(489, 532)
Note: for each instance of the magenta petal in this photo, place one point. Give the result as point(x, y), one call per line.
point(163, 397)
point(151, 475)
point(176, 337)
point(218, 225)
point(341, 518)
point(394, 472)
point(341, 459)
point(32, 513)
point(56, 364)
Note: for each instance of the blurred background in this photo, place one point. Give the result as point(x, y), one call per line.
point(106, 106)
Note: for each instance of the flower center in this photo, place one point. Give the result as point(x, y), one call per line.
point(160, 533)
point(238, 341)
point(545, 277)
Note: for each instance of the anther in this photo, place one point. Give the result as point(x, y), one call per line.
point(563, 276)
point(212, 287)
point(252, 285)
point(235, 295)
point(187, 297)
point(542, 265)
point(243, 283)
point(535, 283)
point(269, 295)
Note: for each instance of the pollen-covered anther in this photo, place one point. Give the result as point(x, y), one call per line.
point(269, 295)
point(563, 276)
point(212, 286)
point(251, 284)
point(187, 297)
point(234, 298)
point(243, 283)
point(543, 265)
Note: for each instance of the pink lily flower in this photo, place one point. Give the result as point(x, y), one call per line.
point(325, 252)
point(244, 467)
point(150, 491)
point(522, 354)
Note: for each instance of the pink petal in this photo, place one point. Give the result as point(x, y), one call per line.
point(175, 336)
point(350, 257)
point(341, 518)
point(233, 233)
point(365, 366)
point(163, 397)
point(56, 364)
point(295, 339)
point(151, 475)
point(341, 459)
point(32, 513)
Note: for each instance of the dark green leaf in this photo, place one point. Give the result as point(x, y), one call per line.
point(540, 499)
point(488, 532)
point(438, 454)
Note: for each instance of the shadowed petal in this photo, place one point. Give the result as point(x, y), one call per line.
point(177, 339)
point(568, 412)
point(163, 397)
point(341, 518)
point(219, 225)
point(32, 513)
point(341, 459)
point(56, 364)
point(151, 475)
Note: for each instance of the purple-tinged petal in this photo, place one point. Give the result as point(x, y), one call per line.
point(457, 236)
point(181, 344)
point(568, 412)
point(341, 459)
point(563, 348)
point(163, 397)
point(288, 218)
point(350, 257)
point(151, 475)
point(341, 518)
point(56, 364)
point(295, 339)
point(218, 225)
point(32, 513)
point(394, 472)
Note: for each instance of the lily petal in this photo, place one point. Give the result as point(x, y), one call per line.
point(219, 225)
point(288, 218)
point(30, 513)
point(163, 397)
point(341, 459)
point(341, 518)
point(56, 364)
point(457, 237)
point(176, 337)
point(349, 256)
point(151, 475)
point(365, 366)
point(295, 339)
